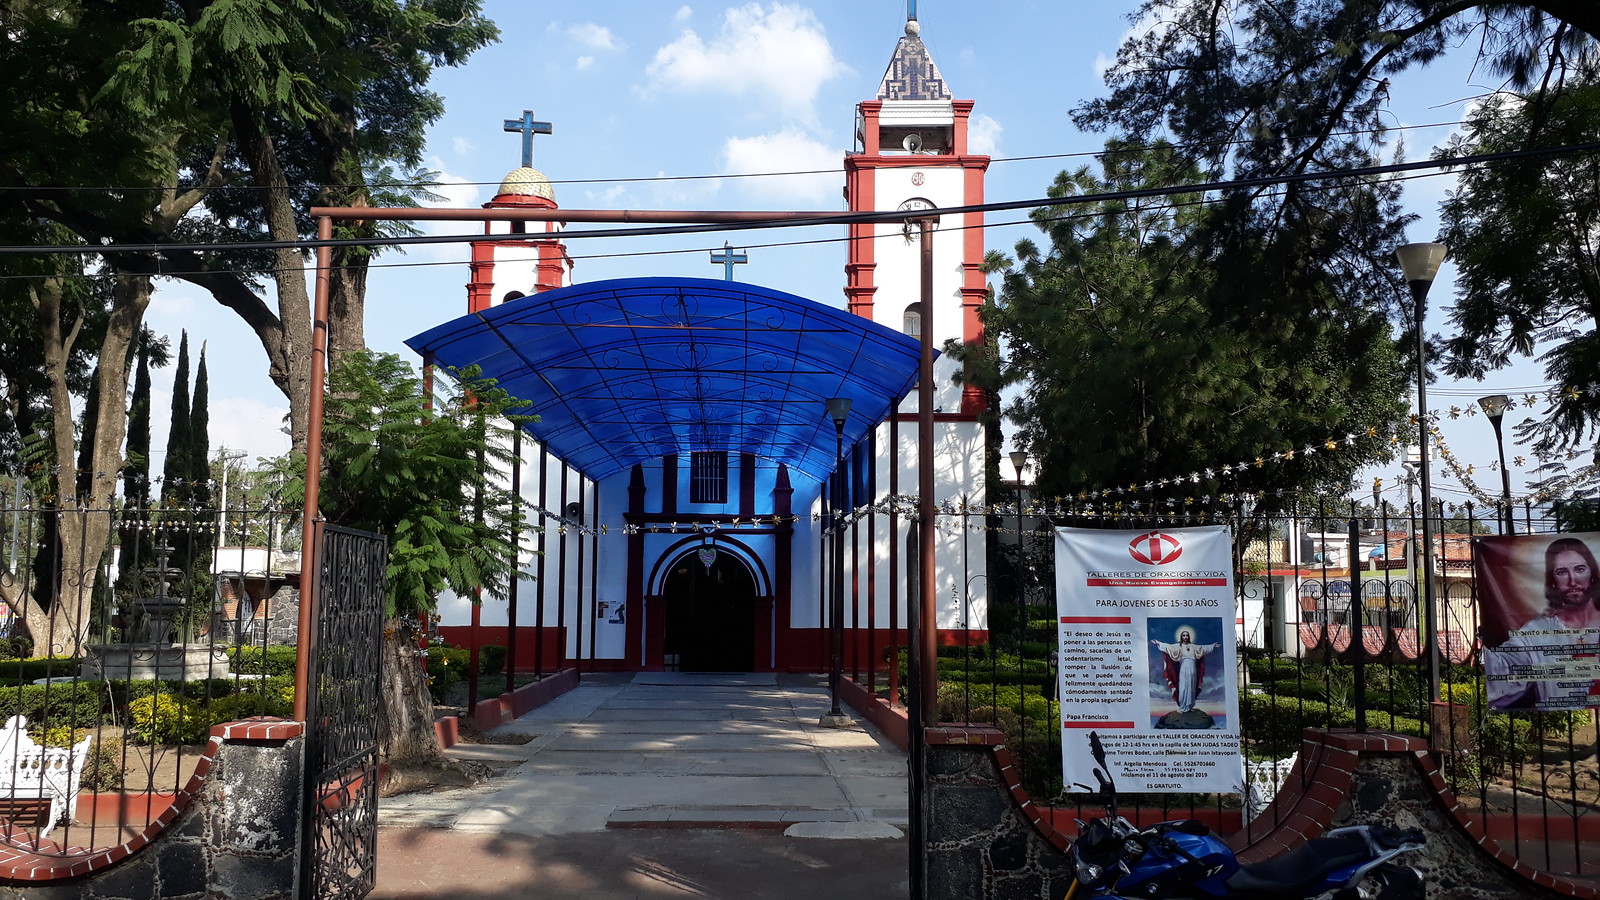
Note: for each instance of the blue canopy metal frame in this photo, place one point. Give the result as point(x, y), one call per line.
point(625, 371)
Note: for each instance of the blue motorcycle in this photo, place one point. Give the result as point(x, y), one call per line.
point(1184, 859)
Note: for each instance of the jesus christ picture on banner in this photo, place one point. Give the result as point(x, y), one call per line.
point(1187, 683)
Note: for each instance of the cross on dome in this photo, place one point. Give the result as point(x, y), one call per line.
point(529, 128)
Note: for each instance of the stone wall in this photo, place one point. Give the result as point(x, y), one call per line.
point(233, 833)
point(982, 839)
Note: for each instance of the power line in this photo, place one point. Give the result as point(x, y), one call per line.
point(816, 219)
point(627, 254)
point(648, 179)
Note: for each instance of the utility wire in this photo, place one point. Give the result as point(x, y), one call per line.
point(683, 251)
point(830, 219)
point(645, 179)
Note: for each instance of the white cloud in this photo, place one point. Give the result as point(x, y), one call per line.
point(462, 146)
point(607, 198)
point(784, 151)
point(245, 423)
point(779, 54)
point(683, 13)
point(458, 193)
point(584, 62)
point(588, 34)
point(983, 135)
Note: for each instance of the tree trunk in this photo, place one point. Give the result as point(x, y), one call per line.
point(83, 521)
point(293, 353)
point(405, 731)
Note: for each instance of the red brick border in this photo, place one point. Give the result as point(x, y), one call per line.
point(44, 860)
point(497, 711)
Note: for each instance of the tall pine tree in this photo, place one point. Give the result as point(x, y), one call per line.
point(199, 437)
point(133, 537)
point(176, 471)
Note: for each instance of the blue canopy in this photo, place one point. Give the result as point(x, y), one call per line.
point(626, 371)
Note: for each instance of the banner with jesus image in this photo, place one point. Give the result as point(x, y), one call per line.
point(1147, 658)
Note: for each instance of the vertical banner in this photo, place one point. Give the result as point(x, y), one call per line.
point(1540, 603)
point(1147, 658)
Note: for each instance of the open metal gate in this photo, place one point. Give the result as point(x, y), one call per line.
point(339, 839)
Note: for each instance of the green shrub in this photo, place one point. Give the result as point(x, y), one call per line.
point(71, 705)
point(446, 667)
point(167, 719)
point(262, 660)
point(103, 769)
point(493, 659)
point(26, 671)
point(243, 705)
point(18, 647)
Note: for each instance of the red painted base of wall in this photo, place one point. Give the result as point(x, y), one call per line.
point(527, 643)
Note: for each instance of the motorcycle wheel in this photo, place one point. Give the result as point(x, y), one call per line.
point(1392, 882)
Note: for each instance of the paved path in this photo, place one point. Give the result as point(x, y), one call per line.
point(662, 785)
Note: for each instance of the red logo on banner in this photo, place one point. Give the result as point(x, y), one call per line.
point(1155, 548)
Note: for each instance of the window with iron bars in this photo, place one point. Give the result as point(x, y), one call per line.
point(708, 476)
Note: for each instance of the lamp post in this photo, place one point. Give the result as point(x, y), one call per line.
point(838, 411)
point(1494, 406)
point(222, 506)
point(1419, 263)
point(1019, 461)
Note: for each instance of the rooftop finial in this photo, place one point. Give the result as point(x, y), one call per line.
point(913, 28)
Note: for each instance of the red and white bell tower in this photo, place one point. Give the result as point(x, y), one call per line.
point(912, 153)
point(514, 265)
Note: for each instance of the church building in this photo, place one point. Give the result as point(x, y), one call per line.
point(683, 474)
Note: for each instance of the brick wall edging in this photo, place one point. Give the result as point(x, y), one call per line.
point(39, 861)
point(497, 711)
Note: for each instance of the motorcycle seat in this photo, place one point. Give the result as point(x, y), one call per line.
point(1300, 868)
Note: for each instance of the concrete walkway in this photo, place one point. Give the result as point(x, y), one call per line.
point(662, 785)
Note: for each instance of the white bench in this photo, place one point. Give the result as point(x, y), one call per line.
point(1262, 781)
point(31, 772)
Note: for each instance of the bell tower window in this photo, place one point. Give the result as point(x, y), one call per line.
point(913, 320)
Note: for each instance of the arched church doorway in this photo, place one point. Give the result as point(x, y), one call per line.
point(711, 614)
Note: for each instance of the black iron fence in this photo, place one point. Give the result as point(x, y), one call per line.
point(1333, 631)
point(125, 634)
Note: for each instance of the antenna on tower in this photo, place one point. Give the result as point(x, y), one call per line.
point(911, 10)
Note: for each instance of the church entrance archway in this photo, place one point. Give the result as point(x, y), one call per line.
point(710, 615)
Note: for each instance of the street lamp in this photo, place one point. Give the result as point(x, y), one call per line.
point(1419, 263)
point(1494, 406)
point(222, 510)
point(838, 411)
point(1019, 461)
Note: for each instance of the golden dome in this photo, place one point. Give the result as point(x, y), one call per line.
point(527, 182)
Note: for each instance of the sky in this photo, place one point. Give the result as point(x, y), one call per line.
point(649, 99)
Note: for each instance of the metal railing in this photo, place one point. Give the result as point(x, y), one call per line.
point(125, 635)
point(1333, 634)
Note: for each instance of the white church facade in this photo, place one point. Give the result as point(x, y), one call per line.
point(693, 535)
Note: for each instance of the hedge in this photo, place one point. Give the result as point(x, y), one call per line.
point(262, 661)
point(71, 705)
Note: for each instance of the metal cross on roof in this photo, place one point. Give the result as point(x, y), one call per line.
point(529, 128)
point(728, 259)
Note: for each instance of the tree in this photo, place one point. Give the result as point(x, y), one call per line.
point(306, 101)
point(1523, 239)
point(419, 478)
point(80, 315)
point(200, 437)
point(176, 468)
point(1263, 88)
point(1129, 375)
